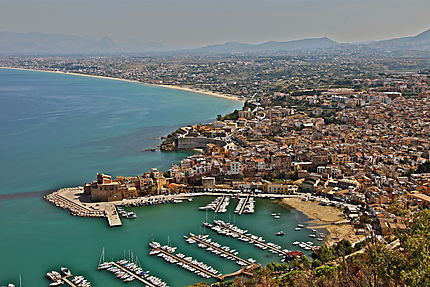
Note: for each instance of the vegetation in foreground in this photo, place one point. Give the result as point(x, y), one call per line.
point(374, 265)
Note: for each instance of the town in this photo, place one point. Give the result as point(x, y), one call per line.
point(351, 136)
point(369, 148)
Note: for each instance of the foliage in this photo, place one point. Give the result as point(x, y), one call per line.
point(422, 168)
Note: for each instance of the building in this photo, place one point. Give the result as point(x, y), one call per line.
point(104, 189)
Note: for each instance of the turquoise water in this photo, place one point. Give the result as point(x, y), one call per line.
point(59, 130)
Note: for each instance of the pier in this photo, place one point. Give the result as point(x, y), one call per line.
point(134, 275)
point(252, 240)
point(244, 205)
point(75, 207)
point(67, 281)
point(195, 237)
point(246, 270)
point(187, 262)
point(113, 216)
point(217, 209)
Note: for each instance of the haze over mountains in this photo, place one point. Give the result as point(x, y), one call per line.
point(57, 44)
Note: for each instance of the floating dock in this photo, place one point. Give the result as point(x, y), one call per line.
point(252, 240)
point(196, 238)
point(244, 205)
point(222, 205)
point(134, 275)
point(187, 262)
point(67, 281)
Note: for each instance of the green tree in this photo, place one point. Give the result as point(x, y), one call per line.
point(416, 244)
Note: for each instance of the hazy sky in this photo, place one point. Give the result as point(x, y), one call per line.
point(189, 23)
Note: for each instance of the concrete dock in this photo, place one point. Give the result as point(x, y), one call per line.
point(113, 216)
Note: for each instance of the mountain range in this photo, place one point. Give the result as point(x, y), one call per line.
point(58, 44)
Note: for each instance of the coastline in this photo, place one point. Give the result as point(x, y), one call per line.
point(209, 93)
point(324, 217)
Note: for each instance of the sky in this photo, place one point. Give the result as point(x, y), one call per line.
point(193, 23)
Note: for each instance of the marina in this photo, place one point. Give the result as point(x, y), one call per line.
point(192, 265)
point(130, 270)
point(186, 262)
point(224, 251)
point(218, 205)
point(245, 205)
point(58, 279)
point(223, 204)
point(229, 229)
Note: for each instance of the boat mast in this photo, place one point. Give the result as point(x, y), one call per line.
point(102, 256)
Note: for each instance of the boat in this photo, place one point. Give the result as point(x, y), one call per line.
point(58, 283)
point(298, 228)
point(277, 216)
point(312, 235)
point(280, 233)
point(56, 274)
point(51, 276)
point(66, 271)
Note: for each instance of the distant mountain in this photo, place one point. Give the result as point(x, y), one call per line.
point(56, 44)
point(420, 42)
point(271, 46)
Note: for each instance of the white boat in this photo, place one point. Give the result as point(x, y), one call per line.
point(56, 274)
point(66, 271)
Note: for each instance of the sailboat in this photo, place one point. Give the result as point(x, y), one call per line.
point(102, 263)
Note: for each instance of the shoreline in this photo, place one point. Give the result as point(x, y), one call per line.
point(324, 217)
point(175, 87)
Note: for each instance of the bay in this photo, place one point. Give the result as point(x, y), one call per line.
point(58, 130)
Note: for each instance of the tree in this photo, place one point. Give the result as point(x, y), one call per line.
point(416, 244)
point(324, 254)
point(386, 265)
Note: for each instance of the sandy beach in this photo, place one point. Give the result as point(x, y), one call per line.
point(324, 217)
point(209, 93)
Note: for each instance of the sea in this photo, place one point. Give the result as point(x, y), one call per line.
point(59, 130)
